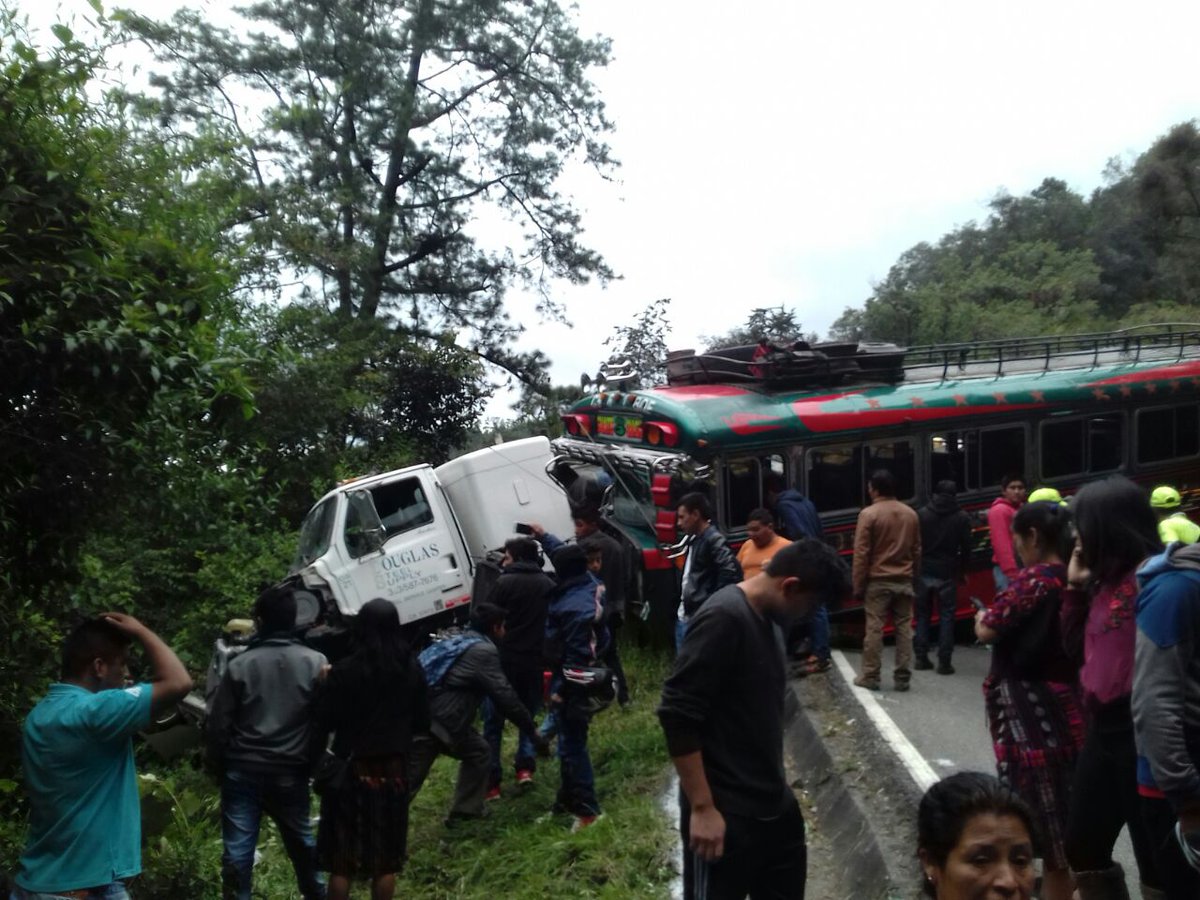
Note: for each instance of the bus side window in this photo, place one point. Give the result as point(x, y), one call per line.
point(954, 456)
point(835, 477)
point(745, 486)
point(1001, 450)
point(1167, 433)
point(898, 458)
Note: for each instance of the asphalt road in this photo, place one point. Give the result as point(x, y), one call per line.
point(942, 716)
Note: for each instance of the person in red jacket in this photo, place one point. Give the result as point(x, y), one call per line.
point(1000, 519)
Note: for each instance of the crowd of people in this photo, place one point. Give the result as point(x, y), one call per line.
point(363, 732)
point(1092, 701)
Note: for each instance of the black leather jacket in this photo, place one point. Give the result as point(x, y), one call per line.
point(711, 565)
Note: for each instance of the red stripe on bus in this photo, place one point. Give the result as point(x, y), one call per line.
point(817, 419)
point(1180, 370)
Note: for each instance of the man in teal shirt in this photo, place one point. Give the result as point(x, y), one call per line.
point(85, 824)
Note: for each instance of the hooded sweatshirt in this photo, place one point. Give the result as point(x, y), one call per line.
point(1000, 519)
point(945, 538)
point(1166, 684)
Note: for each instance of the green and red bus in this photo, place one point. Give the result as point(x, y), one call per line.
point(1061, 410)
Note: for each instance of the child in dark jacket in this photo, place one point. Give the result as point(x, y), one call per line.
point(574, 637)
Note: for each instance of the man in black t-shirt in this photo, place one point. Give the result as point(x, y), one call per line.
point(722, 714)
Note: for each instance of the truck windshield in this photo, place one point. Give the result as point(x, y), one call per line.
point(315, 534)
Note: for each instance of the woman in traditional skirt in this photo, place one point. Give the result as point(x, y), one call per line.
point(1030, 693)
point(373, 702)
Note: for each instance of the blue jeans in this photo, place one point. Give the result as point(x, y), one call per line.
point(577, 793)
point(947, 602)
point(245, 796)
point(1000, 579)
point(820, 632)
point(528, 685)
point(114, 891)
point(680, 631)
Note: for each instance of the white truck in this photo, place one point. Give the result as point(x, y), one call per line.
point(417, 536)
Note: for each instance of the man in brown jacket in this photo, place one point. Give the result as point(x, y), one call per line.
point(887, 558)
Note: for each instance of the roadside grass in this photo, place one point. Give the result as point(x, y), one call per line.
point(520, 850)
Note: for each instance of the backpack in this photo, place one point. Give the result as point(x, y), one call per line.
point(439, 657)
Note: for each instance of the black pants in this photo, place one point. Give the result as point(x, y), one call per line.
point(612, 659)
point(1179, 880)
point(1104, 797)
point(764, 859)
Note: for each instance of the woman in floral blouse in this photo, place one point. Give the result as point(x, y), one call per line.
point(1030, 693)
point(1116, 531)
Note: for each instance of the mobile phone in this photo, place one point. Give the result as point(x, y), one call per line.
point(977, 603)
point(522, 528)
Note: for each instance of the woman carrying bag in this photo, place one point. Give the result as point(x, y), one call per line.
point(373, 702)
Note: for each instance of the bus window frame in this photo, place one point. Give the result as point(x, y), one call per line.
point(912, 440)
point(1088, 472)
point(975, 483)
point(1135, 460)
point(722, 486)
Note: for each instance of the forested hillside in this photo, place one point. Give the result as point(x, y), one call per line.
point(1054, 260)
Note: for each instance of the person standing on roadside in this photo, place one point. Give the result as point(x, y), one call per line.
point(1166, 714)
point(85, 837)
point(1173, 524)
point(710, 564)
point(762, 543)
point(1115, 531)
point(262, 739)
point(1030, 695)
point(722, 716)
point(887, 558)
point(797, 517)
point(373, 703)
point(945, 553)
point(614, 572)
point(1000, 517)
point(522, 591)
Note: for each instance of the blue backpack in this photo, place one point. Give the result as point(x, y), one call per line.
point(439, 657)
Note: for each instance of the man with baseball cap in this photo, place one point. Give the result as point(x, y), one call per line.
point(1173, 524)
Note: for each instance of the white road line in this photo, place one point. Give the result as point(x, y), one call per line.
point(920, 770)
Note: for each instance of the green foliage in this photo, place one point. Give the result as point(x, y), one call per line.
point(1054, 261)
point(643, 343)
point(772, 323)
point(384, 135)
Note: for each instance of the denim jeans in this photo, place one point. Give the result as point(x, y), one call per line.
point(114, 891)
point(245, 796)
point(577, 794)
point(528, 685)
point(680, 631)
point(819, 628)
point(999, 579)
point(947, 601)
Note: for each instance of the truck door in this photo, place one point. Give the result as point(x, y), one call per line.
point(400, 540)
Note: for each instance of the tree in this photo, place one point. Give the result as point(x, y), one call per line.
point(643, 344)
point(380, 141)
point(773, 323)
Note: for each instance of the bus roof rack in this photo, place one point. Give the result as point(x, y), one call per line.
point(1165, 342)
point(799, 364)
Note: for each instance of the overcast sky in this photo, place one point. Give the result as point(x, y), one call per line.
point(787, 152)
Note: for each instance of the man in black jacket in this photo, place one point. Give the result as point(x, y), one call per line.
point(710, 564)
point(945, 552)
point(456, 687)
point(722, 714)
point(261, 736)
point(522, 591)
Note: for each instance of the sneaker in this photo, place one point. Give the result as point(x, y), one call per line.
point(901, 686)
point(582, 822)
point(922, 663)
point(524, 778)
point(863, 682)
point(945, 669)
point(493, 793)
point(814, 664)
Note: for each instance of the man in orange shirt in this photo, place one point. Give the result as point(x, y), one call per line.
point(763, 544)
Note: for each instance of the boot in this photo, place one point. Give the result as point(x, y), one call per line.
point(1153, 893)
point(1106, 884)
